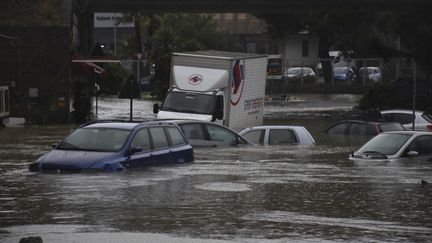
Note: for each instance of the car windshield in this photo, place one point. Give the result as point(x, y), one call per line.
point(385, 143)
point(340, 70)
point(189, 103)
point(96, 139)
point(294, 71)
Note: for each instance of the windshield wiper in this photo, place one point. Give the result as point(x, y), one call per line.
point(190, 111)
point(376, 153)
point(169, 109)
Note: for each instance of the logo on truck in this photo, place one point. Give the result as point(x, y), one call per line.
point(237, 82)
point(195, 79)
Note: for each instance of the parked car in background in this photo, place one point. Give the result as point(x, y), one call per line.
point(114, 146)
point(362, 128)
point(394, 145)
point(300, 73)
point(343, 74)
point(277, 135)
point(208, 134)
point(423, 120)
point(370, 73)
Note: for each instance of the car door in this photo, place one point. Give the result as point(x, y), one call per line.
point(194, 133)
point(338, 129)
point(422, 145)
point(282, 137)
point(161, 148)
point(178, 146)
point(255, 136)
point(141, 141)
point(220, 136)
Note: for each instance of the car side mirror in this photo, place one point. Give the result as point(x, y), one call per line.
point(156, 108)
point(54, 145)
point(134, 150)
point(412, 153)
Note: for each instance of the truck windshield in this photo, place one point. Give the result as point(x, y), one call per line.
point(189, 103)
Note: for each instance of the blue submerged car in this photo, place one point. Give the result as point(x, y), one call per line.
point(115, 146)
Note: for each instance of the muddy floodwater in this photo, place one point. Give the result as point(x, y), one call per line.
point(253, 194)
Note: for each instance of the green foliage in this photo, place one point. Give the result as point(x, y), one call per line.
point(370, 33)
point(31, 13)
point(112, 81)
point(382, 95)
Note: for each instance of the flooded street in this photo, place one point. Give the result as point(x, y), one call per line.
point(253, 194)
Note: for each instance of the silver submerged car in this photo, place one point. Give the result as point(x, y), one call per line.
point(278, 135)
point(395, 145)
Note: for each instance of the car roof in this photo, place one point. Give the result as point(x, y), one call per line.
point(363, 122)
point(405, 111)
point(120, 124)
point(408, 132)
point(275, 127)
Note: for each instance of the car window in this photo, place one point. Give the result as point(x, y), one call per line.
point(142, 140)
point(427, 117)
point(175, 135)
point(388, 117)
point(422, 144)
point(192, 131)
point(282, 136)
point(97, 139)
point(391, 127)
point(159, 138)
point(255, 136)
point(403, 118)
point(337, 129)
point(221, 134)
point(357, 129)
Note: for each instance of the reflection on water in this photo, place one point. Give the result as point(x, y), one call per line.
point(253, 194)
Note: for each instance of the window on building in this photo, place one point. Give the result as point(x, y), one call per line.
point(305, 48)
point(242, 16)
point(228, 16)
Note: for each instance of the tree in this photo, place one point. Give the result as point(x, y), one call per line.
point(31, 13)
point(367, 33)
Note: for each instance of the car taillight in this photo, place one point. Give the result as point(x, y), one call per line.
point(429, 127)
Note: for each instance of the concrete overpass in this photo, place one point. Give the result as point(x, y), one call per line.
point(251, 6)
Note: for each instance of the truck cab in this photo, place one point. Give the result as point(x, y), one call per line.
point(205, 106)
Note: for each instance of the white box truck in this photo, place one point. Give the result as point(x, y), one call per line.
point(223, 87)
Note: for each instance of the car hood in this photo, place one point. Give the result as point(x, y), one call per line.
point(71, 160)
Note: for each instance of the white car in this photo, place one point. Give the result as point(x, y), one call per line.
point(423, 120)
point(393, 145)
point(372, 73)
point(277, 135)
point(305, 73)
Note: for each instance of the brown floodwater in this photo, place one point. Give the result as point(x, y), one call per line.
point(253, 194)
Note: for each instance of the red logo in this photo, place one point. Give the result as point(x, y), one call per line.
point(195, 79)
point(237, 82)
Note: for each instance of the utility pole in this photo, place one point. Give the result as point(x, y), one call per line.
point(414, 92)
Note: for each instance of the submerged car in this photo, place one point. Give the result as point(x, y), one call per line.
point(278, 135)
point(208, 134)
point(300, 73)
point(362, 128)
point(370, 73)
point(114, 146)
point(343, 74)
point(394, 145)
point(423, 120)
